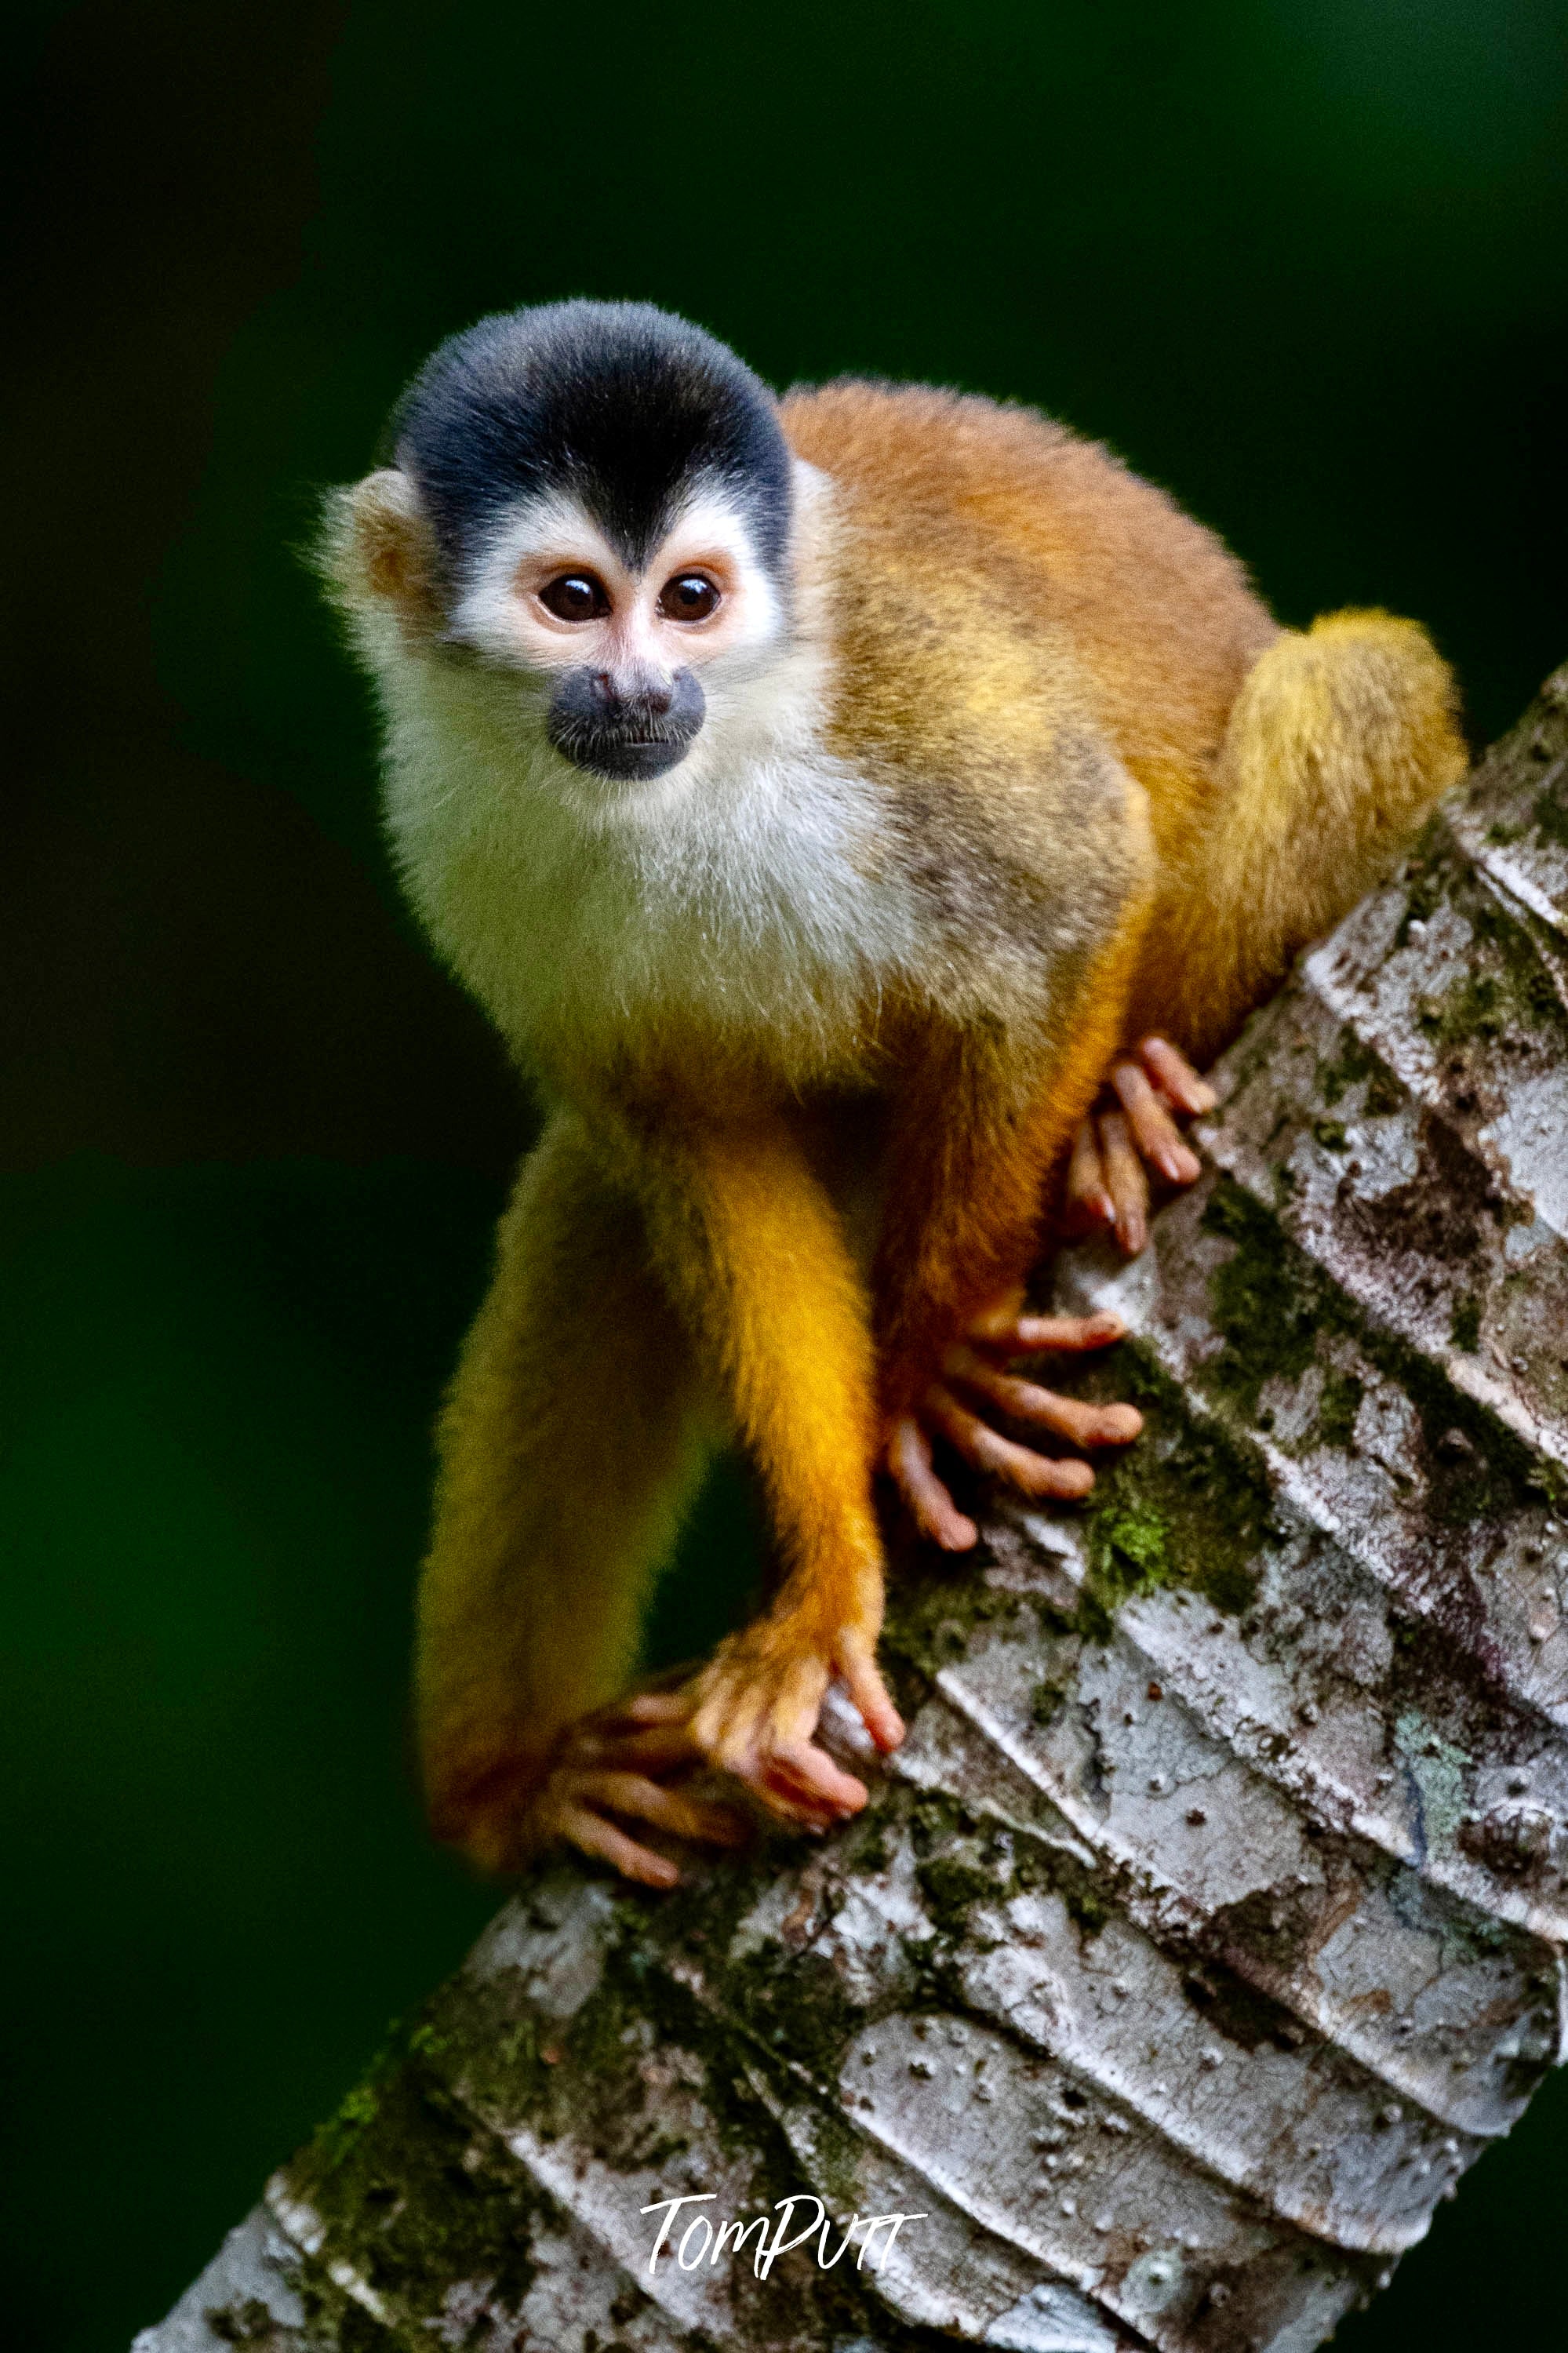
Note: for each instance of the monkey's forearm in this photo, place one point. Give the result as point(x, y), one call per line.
point(750, 1243)
point(572, 1439)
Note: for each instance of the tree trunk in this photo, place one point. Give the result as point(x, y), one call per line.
point(1211, 1922)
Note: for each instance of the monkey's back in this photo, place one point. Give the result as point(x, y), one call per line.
point(999, 573)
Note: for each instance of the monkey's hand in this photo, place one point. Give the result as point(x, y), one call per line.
point(1130, 1131)
point(975, 1368)
point(759, 1701)
point(614, 1767)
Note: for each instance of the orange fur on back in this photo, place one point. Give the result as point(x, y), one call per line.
point(1025, 551)
point(1013, 598)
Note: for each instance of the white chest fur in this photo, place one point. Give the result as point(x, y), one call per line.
point(750, 887)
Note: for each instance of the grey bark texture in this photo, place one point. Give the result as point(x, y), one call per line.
point(1212, 1920)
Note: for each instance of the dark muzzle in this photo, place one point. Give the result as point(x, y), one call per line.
point(630, 731)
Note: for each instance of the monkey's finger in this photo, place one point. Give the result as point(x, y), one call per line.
point(1153, 1129)
point(807, 1773)
point(1129, 1187)
point(776, 1790)
point(785, 1782)
point(794, 1805)
point(1038, 1335)
point(592, 1834)
point(869, 1692)
point(1088, 1202)
point(1175, 1077)
point(642, 1800)
point(1085, 1425)
point(936, 1514)
point(1031, 1474)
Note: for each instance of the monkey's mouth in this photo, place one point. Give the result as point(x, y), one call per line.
point(626, 737)
point(622, 754)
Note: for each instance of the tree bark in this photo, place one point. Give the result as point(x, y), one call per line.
point(1212, 1920)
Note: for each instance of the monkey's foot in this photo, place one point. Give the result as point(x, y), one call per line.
point(974, 1368)
point(1130, 1131)
point(613, 1768)
point(758, 1704)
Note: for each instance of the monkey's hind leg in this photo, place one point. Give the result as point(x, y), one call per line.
point(1338, 742)
point(574, 1434)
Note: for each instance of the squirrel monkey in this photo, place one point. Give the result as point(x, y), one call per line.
point(822, 796)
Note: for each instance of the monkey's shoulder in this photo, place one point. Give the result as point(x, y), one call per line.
point(947, 479)
point(1000, 585)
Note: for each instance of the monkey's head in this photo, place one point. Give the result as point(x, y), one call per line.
point(592, 501)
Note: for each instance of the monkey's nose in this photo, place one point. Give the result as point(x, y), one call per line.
point(632, 699)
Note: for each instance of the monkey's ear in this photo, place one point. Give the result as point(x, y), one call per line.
point(378, 550)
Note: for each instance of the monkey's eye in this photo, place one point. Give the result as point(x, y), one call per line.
point(575, 596)
point(689, 597)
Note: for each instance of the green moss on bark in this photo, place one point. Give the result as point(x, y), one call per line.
point(1269, 1303)
point(1187, 1506)
point(1338, 1407)
point(1515, 992)
point(1465, 1327)
point(416, 2194)
point(1274, 1307)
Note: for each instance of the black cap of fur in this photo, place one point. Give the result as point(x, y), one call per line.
point(618, 402)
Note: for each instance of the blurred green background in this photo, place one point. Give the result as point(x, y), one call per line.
point(1306, 261)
